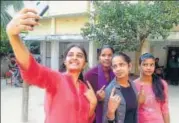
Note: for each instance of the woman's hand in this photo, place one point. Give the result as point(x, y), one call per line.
point(101, 94)
point(113, 104)
point(23, 21)
point(90, 95)
point(141, 95)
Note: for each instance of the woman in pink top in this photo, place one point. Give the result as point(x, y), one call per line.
point(153, 93)
point(67, 99)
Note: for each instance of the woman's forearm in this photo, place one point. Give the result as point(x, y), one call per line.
point(110, 115)
point(92, 110)
point(20, 50)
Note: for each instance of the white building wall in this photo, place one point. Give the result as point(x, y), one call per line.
point(161, 53)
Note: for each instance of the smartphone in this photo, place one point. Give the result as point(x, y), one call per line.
point(41, 9)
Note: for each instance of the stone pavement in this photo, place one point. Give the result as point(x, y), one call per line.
point(11, 105)
point(174, 103)
point(11, 100)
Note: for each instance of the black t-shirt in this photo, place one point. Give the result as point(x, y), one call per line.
point(131, 104)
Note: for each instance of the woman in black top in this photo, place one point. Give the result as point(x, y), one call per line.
point(131, 104)
point(120, 104)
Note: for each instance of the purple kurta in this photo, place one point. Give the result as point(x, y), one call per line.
point(97, 79)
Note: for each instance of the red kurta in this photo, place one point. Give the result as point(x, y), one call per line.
point(63, 103)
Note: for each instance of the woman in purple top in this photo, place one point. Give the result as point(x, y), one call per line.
point(100, 76)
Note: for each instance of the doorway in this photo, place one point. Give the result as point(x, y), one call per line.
point(170, 50)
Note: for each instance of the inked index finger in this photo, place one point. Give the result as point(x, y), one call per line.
point(141, 87)
point(112, 92)
point(89, 85)
point(102, 88)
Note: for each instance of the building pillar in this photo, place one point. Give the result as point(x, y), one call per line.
point(43, 52)
point(92, 54)
point(54, 48)
point(55, 55)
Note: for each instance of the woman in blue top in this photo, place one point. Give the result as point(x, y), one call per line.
point(120, 104)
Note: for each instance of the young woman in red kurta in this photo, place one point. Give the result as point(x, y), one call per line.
point(68, 99)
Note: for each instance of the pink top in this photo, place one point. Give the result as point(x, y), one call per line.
point(152, 111)
point(63, 103)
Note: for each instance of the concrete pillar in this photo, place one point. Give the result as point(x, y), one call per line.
point(54, 48)
point(43, 52)
point(55, 55)
point(92, 54)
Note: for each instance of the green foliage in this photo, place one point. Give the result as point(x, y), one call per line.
point(5, 48)
point(6, 17)
point(125, 25)
point(3, 34)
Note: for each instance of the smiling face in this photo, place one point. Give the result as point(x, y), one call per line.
point(75, 60)
point(105, 57)
point(147, 66)
point(120, 67)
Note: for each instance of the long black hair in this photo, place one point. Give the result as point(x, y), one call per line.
point(157, 85)
point(63, 67)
